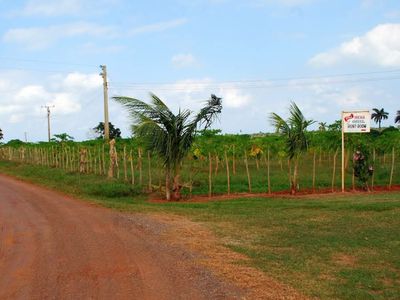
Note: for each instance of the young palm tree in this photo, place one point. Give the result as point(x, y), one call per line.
point(322, 126)
point(296, 141)
point(378, 115)
point(170, 135)
point(397, 119)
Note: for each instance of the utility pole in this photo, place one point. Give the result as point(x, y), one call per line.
point(26, 136)
point(105, 88)
point(48, 119)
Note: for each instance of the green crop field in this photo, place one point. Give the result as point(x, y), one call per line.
point(331, 246)
point(213, 156)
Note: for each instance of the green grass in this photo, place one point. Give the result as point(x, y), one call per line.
point(333, 246)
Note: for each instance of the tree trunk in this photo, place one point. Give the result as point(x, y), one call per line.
point(294, 178)
point(177, 185)
point(168, 184)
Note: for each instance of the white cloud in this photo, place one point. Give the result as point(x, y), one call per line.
point(183, 60)
point(380, 46)
point(32, 94)
point(42, 37)
point(65, 103)
point(21, 105)
point(233, 97)
point(82, 81)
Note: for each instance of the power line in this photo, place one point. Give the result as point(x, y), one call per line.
point(37, 70)
point(46, 62)
point(266, 85)
point(262, 80)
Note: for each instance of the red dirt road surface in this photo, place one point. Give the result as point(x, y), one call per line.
point(56, 247)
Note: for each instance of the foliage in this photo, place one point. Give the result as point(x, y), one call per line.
point(328, 247)
point(361, 164)
point(397, 118)
point(1, 134)
point(322, 126)
point(209, 133)
point(335, 126)
point(378, 115)
point(62, 137)
point(114, 132)
point(294, 132)
point(15, 142)
point(169, 135)
point(256, 151)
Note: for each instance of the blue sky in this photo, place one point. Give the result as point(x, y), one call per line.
point(257, 54)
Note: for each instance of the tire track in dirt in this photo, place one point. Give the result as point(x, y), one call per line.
point(56, 247)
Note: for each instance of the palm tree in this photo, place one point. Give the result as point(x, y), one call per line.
point(322, 126)
point(397, 119)
point(168, 134)
point(296, 141)
point(378, 115)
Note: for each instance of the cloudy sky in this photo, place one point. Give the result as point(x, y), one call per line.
point(258, 55)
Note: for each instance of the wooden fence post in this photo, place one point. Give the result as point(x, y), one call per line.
point(334, 170)
point(227, 174)
point(313, 174)
point(125, 167)
point(132, 168)
point(149, 170)
point(104, 160)
point(266, 159)
point(373, 173)
point(140, 166)
point(247, 171)
point(391, 170)
point(233, 161)
point(209, 175)
point(216, 164)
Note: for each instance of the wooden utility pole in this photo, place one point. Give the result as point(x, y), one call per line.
point(103, 74)
point(48, 120)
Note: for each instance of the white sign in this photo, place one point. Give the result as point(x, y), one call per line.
point(356, 121)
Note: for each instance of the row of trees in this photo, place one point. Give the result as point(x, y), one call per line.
point(379, 115)
point(172, 136)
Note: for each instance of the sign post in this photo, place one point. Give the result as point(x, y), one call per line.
point(358, 121)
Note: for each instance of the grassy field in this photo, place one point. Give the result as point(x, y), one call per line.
point(195, 172)
point(331, 246)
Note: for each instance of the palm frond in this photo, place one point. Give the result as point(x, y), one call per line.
point(397, 119)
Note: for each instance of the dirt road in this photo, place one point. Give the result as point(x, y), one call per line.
point(56, 247)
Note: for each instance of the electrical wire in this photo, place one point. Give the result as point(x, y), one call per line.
point(264, 80)
point(266, 85)
point(46, 62)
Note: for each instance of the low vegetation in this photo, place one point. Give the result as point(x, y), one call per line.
point(342, 247)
